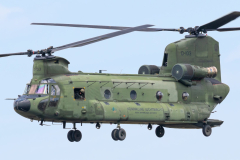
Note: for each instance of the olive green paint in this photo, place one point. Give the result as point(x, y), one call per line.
point(171, 111)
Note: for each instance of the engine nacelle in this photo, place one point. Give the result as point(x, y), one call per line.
point(149, 69)
point(192, 72)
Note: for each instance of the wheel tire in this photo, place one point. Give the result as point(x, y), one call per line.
point(69, 136)
point(114, 134)
point(207, 130)
point(149, 126)
point(98, 126)
point(77, 136)
point(159, 131)
point(121, 134)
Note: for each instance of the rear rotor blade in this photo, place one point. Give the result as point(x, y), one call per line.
point(220, 21)
point(99, 38)
point(228, 29)
point(104, 27)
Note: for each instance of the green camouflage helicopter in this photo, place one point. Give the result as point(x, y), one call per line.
point(182, 93)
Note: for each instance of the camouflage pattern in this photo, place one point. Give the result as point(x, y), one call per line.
point(171, 111)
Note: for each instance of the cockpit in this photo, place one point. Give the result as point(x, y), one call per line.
point(47, 92)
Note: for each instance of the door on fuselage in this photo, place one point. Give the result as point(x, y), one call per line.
point(51, 92)
point(79, 102)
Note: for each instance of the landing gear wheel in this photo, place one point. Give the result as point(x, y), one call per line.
point(121, 134)
point(98, 125)
point(149, 126)
point(69, 136)
point(114, 134)
point(77, 135)
point(207, 130)
point(159, 131)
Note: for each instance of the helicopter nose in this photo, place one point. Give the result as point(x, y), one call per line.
point(22, 105)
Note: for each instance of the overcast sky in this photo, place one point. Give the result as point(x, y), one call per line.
point(22, 139)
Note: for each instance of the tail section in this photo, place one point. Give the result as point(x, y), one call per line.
point(199, 51)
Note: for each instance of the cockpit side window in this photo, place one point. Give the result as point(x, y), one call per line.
point(57, 90)
point(53, 91)
point(54, 99)
point(27, 89)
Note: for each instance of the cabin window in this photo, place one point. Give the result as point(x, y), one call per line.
point(32, 89)
point(165, 59)
point(133, 95)
point(79, 93)
point(27, 89)
point(53, 102)
point(159, 95)
point(185, 96)
point(43, 104)
point(42, 89)
point(107, 94)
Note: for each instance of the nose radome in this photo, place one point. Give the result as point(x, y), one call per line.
point(22, 105)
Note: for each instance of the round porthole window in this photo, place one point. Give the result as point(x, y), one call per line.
point(133, 95)
point(159, 95)
point(107, 94)
point(185, 96)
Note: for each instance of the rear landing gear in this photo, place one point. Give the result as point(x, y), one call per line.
point(74, 135)
point(118, 134)
point(159, 131)
point(114, 134)
point(207, 130)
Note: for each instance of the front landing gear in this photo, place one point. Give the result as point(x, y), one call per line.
point(74, 135)
point(159, 131)
point(207, 130)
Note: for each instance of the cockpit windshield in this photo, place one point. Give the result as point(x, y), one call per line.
point(32, 89)
point(43, 88)
point(49, 80)
point(27, 89)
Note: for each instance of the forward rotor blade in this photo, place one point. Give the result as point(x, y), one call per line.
point(103, 27)
point(220, 21)
point(99, 38)
point(10, 98)
point(14, 54)
point(228, 29)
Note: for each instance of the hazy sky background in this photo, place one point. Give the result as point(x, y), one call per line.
point(22, 139)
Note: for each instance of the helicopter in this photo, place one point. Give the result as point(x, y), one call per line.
point(182, 93)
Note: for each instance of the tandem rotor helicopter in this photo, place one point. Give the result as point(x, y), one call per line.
point(182, 93)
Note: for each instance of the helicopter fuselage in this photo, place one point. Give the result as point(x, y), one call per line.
point(131, 99)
